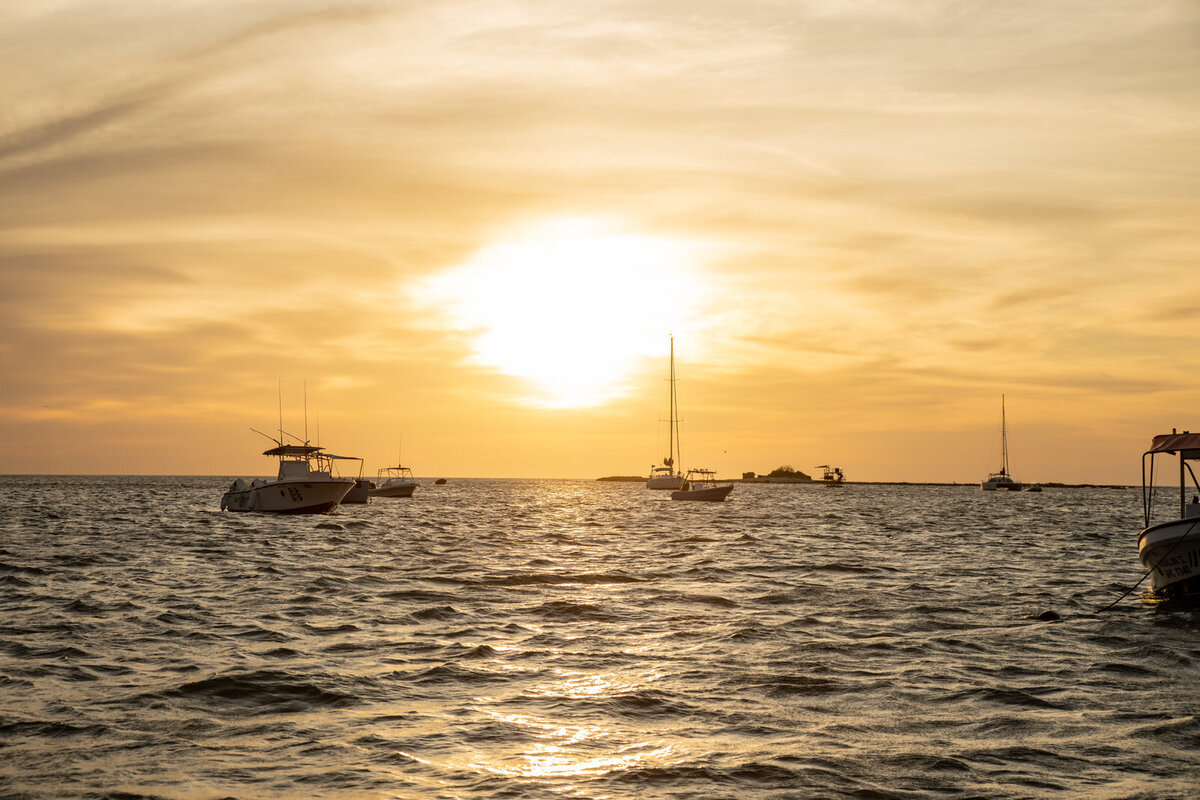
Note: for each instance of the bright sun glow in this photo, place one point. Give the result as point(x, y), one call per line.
point(572, 306)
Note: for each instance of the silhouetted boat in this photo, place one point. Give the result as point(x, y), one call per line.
point(394, 482)
point(832, 476)
point(701, 484)
point(440, 482)
point(1002, 480)
point(359, 493)
point(1170, 550)
point(665, 476)
point(298, 488)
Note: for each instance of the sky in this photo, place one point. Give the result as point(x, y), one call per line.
point(461, 234)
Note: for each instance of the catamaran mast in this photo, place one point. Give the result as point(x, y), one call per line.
point(1003, 440)
point(673, 425)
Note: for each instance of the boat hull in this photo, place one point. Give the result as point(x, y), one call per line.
point(673, 482)
point(1000, 486)
point(403, 490)
point(1170, 551)
point(711, 494)
point(288, 497)
point(359, 493)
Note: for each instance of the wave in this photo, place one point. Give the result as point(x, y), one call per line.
point(260, 692)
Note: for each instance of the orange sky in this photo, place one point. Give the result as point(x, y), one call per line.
point(468, 228)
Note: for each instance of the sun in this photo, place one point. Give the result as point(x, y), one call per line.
point(572, 306)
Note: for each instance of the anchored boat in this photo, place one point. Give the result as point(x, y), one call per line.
point(1002, 480)
point(359, 493)
point(702, 484)
point(1170, 550)
point(394, 481)
point(665, 476)
point(299, 488)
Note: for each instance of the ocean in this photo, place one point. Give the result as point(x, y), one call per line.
point(581, 639)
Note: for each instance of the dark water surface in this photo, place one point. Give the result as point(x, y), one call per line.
point(562, 639)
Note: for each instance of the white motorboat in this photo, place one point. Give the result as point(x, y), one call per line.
point(299, 488)
point(394, 481)
point(665, 476)
point(1170, 550)
point(702, 484)
point(1002, 480)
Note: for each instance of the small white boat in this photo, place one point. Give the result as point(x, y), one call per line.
point(702, 484)
point(1170, 550)
point(1002, 480)
point(298, 488)
point(394, 481)
point(665, 476)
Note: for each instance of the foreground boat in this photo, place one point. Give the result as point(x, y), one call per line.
point(299, 488)
point(702, 484)
point(665, 476)
point(395, 481)
point(1170, 550)
point(1002, 480)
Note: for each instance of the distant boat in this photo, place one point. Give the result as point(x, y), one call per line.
point(1002, 480)
point(440, 482)
point(298, 488)
point(701, 484)
point(832, 476)
point(394, 481)
point(1170, 550)
point(665, 476)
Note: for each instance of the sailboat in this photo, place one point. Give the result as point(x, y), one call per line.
point(1002, 480)
point(666, 476)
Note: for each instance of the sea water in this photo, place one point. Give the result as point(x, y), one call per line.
point(563, 639)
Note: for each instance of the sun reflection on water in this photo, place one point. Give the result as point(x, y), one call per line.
point(557, 748)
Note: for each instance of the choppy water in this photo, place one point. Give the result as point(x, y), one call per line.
point(560, 639)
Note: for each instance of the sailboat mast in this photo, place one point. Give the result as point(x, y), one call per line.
point(1003, 439)
point(673, 425)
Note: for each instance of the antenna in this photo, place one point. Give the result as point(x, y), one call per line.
point(272, 438)
point(306, 412)
point(280, 411)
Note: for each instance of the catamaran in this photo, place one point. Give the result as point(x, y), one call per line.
point(1170, 550)
point(666, 476)
point(1002, 480)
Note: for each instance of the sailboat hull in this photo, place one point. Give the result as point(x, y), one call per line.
point(673, 482)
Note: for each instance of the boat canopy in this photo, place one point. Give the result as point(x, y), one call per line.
point(1186, 443)
point(292, 450)
point(340, 458)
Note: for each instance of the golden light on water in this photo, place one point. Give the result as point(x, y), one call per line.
point(572, 306)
